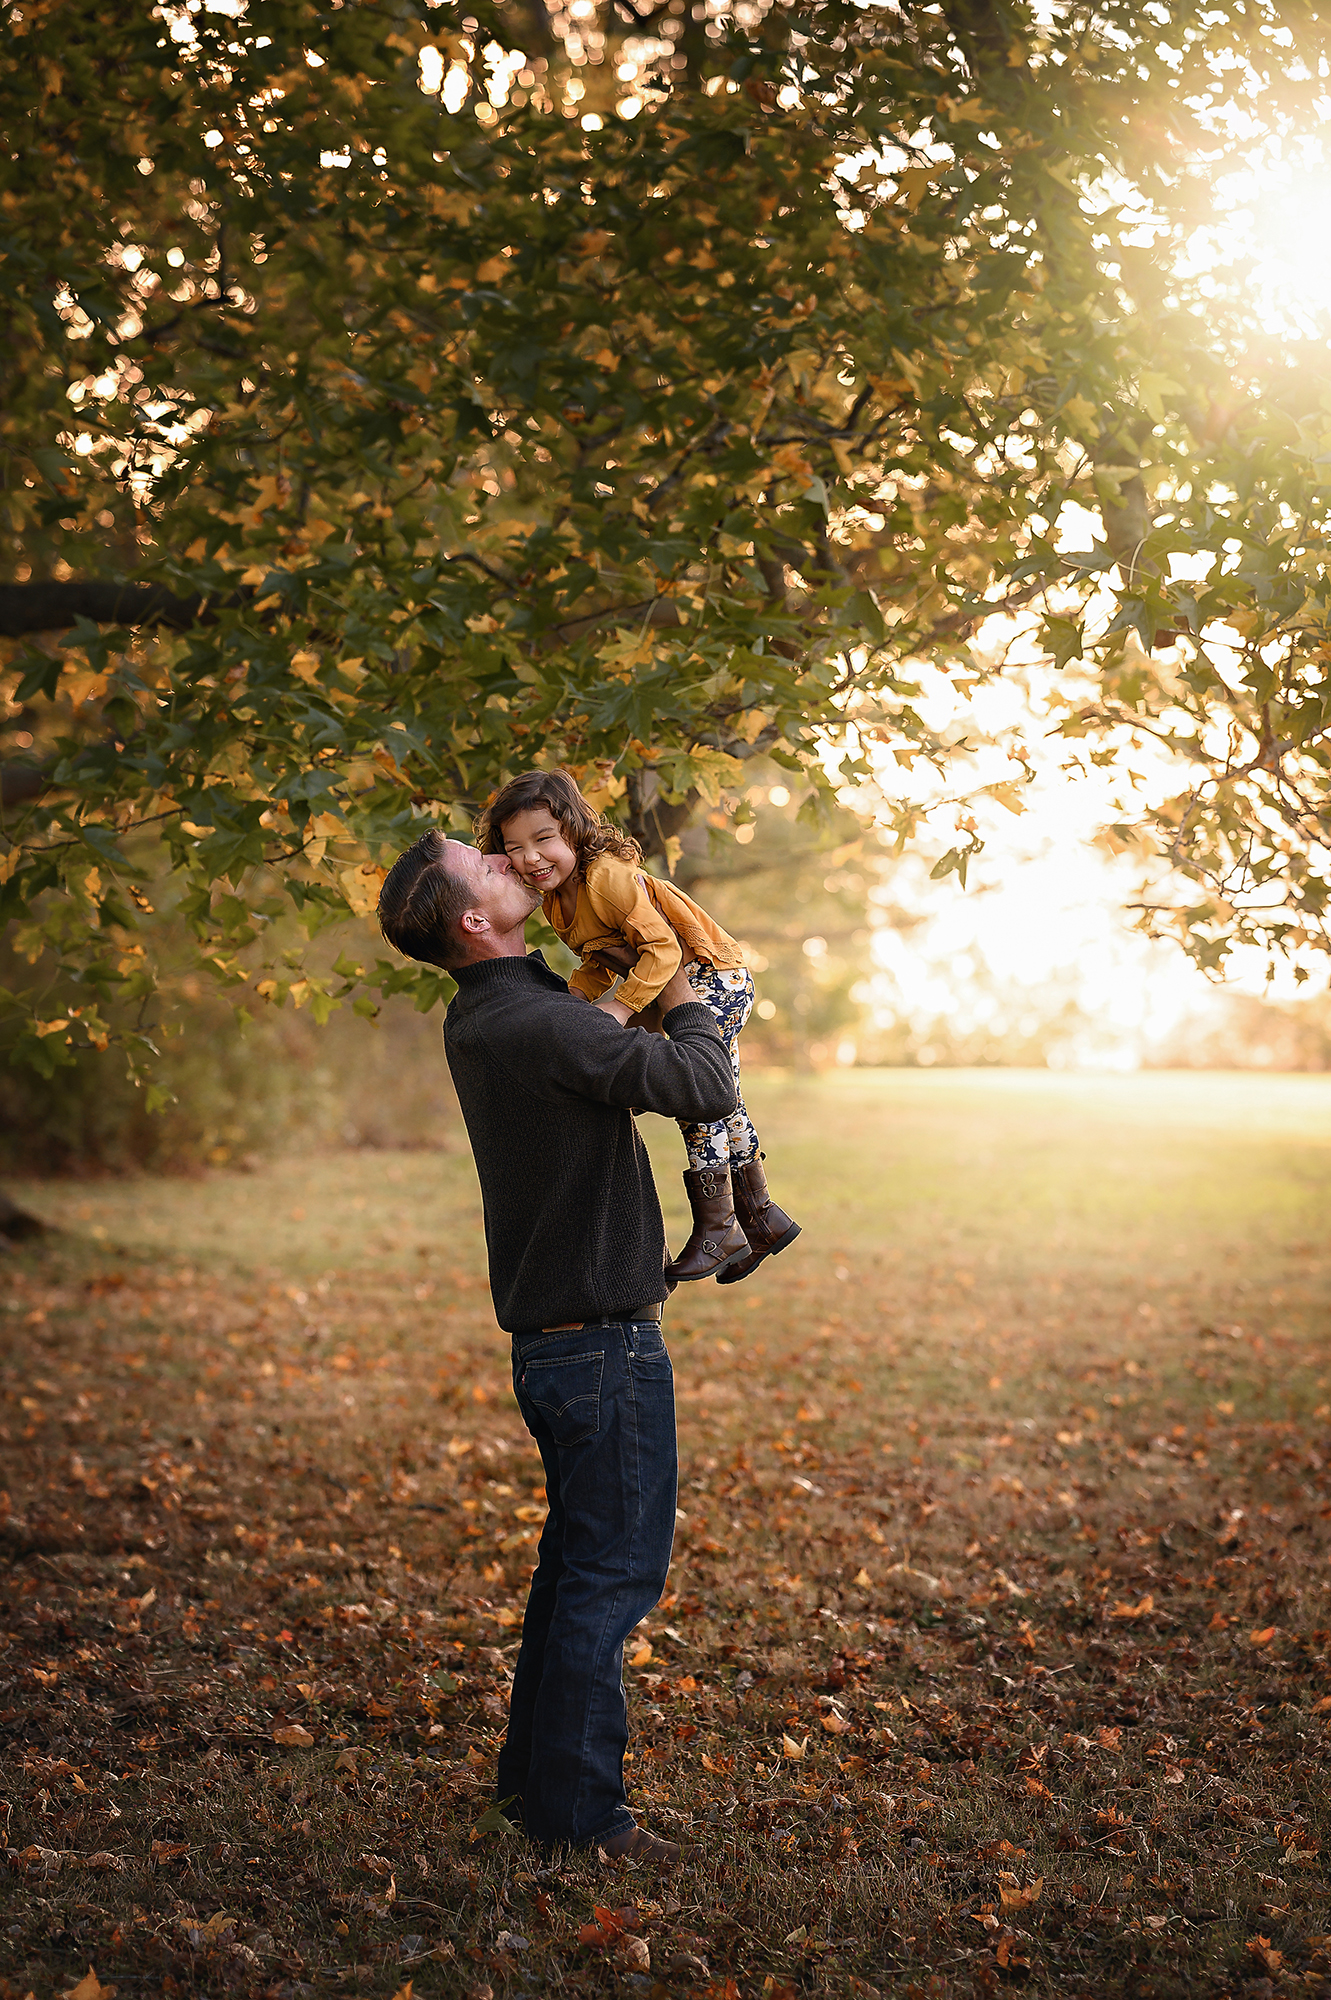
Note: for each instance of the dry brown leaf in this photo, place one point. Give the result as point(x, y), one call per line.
point(641, 1654)
point(790, 1748)
point(168, 1850)
point(293, 1736)
point(864, 1581)
point(916, 1582)
point(104, 1863)
point(40, 1861)
point(634, 1953)
point(1142, 1610)
point(837, 1725)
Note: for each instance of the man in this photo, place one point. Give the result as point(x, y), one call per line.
point(577, 1251)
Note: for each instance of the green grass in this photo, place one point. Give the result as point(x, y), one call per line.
point(1058, 1343)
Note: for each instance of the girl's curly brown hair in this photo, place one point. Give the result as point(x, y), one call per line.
point(587, 832)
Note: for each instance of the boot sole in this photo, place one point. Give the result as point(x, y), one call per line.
point(738, 1277)
point(696, 1277)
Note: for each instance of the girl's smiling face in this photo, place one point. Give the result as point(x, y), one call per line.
point(534, 842)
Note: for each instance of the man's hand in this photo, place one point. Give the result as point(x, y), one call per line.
point(676, 992)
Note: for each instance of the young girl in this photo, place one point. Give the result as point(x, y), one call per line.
point(596, 894)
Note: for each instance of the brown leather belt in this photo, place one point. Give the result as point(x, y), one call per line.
point(629, 1315)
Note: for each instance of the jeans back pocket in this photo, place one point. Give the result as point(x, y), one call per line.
point(567, 1392)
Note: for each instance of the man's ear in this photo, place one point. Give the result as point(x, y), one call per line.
point(472, 921)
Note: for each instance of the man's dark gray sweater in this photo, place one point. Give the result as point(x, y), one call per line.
point(547, 1085)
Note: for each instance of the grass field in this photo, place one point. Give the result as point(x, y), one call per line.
point(995, 1649)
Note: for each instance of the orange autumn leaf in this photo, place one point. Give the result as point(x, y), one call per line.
point(718, 1765)
point(606, 1925)
point(89, 1988)
point(1260, 1947)
point(837, 1725)
point(1263, 1637)
point(1013, 1897)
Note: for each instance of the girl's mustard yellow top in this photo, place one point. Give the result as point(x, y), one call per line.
point(619, 903)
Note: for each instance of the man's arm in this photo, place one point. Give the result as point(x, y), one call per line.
point(579, 1049)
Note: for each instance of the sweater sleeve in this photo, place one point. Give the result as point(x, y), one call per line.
point(623, 905)
point(580, 1051)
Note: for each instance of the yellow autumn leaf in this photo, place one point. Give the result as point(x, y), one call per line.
point(790, 1748)
point(641, 1654)
point(361, 888)
point(1079, 413)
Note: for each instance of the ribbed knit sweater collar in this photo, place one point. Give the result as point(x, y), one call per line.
point(490, 973)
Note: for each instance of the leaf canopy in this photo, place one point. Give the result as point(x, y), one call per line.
point(641, 397)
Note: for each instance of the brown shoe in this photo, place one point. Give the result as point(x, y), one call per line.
point(636, 1844)
point(768, 1228)
point(717, 1240)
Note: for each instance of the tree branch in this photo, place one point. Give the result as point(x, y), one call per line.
point(51, 606)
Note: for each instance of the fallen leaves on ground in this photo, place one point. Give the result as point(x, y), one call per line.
point(261, 1640)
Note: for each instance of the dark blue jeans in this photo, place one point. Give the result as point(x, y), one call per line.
point(600, 1404)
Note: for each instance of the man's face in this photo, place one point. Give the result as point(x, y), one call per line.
point(499, 892)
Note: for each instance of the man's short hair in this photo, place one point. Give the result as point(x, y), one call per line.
point(422, 903)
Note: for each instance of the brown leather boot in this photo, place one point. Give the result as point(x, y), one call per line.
point(639, 1845)
point(768, 1228)
point(717, 1240)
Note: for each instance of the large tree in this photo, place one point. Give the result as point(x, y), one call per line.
point(396, 398)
